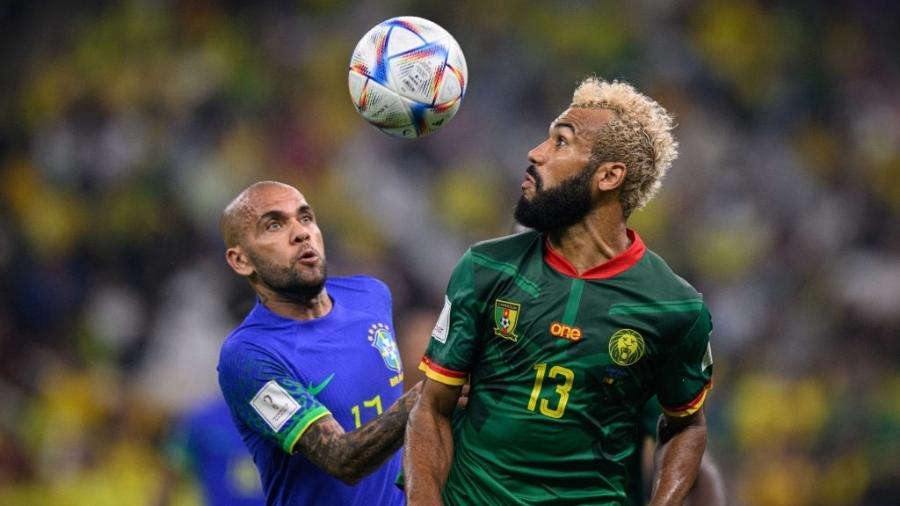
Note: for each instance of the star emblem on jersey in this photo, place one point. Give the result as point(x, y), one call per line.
point(626, 347)
point(506, 317)
point(382, 340)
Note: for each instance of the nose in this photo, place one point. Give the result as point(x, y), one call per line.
point(537, 154)
point(299, 232)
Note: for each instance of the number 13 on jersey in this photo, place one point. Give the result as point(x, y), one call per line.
point(562, 389)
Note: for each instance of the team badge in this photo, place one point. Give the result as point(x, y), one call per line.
point(506, 317)
point(626, 347)
point(382, 340)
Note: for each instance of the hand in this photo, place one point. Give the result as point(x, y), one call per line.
point(463, 400)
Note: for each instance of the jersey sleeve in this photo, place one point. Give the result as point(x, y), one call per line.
point(451, 349)
point(687, 373)
point(266, 397)
point(386, 299)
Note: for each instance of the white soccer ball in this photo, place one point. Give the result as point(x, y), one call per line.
point(407, 76)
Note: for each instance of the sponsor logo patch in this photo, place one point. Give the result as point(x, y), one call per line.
point(626, 346)
point(274, 405)
point(506, 317)
point(564, 331)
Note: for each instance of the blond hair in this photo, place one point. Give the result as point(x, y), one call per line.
point(640, 135)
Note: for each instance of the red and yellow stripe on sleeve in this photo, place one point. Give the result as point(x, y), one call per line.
point(691, 407)
point(441, 374)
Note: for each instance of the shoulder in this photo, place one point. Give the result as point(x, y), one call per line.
point(358, 285)
point(667, 281)
point(247, 341)
point(668, 297)
point(487, 262)
point(360, 293)
point(509, 246)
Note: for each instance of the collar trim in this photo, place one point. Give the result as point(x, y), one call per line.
point(605, 270)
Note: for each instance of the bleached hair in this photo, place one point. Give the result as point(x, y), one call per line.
point(640, 135)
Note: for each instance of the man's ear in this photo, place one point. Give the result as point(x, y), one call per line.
point(239, 261)
point(610, 175)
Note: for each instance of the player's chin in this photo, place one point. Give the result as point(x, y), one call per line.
point(313, 274)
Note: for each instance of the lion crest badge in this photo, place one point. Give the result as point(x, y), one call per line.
point(626, 346)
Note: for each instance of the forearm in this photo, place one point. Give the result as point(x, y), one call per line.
point(350, 456)
point(678, 461)
point(428, 454)
point(709, 490)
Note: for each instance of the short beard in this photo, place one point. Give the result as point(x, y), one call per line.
point(287, 282)
point(559, 207)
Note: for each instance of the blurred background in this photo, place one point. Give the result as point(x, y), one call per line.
point(126, 127)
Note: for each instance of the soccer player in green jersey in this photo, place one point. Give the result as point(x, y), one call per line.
point(565, 331)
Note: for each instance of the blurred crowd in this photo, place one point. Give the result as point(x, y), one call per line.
point(125, 128)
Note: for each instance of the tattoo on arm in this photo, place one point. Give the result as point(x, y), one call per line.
point(350, 456)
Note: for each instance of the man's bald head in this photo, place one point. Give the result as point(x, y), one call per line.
point(241, 212)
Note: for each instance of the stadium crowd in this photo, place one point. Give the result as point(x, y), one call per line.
point(125, 128)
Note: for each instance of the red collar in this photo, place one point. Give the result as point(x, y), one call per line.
point(612, 267)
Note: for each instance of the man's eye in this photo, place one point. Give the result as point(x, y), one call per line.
point(273, 225)
point(561, 141)
point(306, 219)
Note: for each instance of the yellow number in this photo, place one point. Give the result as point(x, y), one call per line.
point(374, 402)
point(561, 389)
point(538, 381)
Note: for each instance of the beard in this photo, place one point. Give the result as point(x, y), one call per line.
point(285, 280)
point(559, 207)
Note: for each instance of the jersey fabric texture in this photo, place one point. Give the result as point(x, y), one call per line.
point(280, 375)
point(206, 445)
point(560, 366)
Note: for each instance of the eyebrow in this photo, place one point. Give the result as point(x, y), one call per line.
point(278, 214)
point(562, 124)
point(273, 214)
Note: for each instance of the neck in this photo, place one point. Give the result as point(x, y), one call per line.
point(597, 238)
point(296, 307)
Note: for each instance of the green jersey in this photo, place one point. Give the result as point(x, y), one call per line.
point(560, 365)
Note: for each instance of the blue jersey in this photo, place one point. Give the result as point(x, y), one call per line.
point(206, 442)
point(280, 375)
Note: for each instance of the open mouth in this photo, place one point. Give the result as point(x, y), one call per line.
point(531, 177)
point(308, 257)
point(529, 181)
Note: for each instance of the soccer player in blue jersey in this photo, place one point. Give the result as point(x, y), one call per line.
point(204, 444)
point(312, 375)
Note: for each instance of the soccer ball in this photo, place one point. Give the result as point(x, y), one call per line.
point(407, 77)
